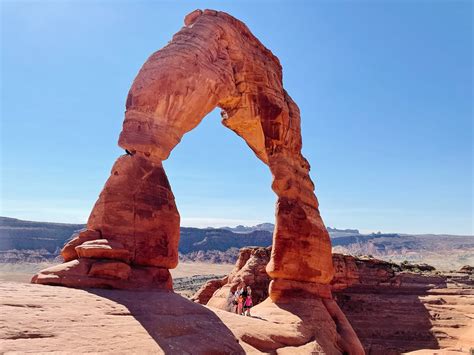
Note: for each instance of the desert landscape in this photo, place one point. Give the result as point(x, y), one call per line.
point(134, 279)
point(393, 308)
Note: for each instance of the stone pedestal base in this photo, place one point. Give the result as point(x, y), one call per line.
point(319, 313)
point(320, 322)
point(104, 273)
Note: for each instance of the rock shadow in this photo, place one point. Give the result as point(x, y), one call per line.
point(176, 324)
point(388, 321)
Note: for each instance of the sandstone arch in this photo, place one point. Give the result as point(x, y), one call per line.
point(133, 231)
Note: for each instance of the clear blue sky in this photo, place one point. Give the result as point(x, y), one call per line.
point(384, 88)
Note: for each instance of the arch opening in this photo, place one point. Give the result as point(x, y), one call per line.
point(217, 181)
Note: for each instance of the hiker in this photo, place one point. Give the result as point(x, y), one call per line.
point(248, 302)
point(235, 300)
point(241, 300)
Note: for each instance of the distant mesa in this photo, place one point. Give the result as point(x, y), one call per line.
point(269, 227)
point(27, 241)
point(348, 231)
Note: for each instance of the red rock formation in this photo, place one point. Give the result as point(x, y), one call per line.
point(249, 270)
point(135, 223)
point(318, 318)
point(204, 294)
point(214, 61)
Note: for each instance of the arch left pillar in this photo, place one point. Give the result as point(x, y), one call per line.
point(132, 234)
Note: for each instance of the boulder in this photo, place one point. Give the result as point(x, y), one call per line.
point(103, 249)
point(69, 250)
point(103, 273)
point(204, 294)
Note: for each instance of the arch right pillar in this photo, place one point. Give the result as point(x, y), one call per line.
point(301, 259)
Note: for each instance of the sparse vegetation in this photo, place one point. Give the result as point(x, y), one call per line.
point(187, 286)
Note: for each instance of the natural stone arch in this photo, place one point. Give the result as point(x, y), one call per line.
point(133, 231)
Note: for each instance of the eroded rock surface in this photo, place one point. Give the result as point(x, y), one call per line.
point(394, 311)
point(46, 319)
point(213, 61)
point(391, 310)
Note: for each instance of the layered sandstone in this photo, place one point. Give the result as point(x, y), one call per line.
point(395, 311)
point(391, 310)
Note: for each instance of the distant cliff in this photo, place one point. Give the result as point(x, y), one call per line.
point(40, 241)
point(19, 235)
point(25, 241)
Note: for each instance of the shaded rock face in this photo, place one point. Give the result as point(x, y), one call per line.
point(213, 61)
point(390, 309)
point(249, 270)
point(395, 311)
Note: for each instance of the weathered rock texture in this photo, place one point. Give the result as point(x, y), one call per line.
point(42, 319)
point(395, 311)
point(213, 61)
point(391, 310)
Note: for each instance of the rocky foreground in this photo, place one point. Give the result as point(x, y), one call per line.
point(392, 310)
point(44, 319)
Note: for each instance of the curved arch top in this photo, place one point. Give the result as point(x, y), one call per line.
point(213, 61)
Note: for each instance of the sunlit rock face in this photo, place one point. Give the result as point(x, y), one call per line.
point(213, 61)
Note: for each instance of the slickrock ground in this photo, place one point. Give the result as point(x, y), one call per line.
point(37, 318)
point(391, 311)
point(50, 319)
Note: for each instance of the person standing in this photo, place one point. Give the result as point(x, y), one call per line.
point(240, 301)
point(248, 302)
point(235, 300)
point(244, 297)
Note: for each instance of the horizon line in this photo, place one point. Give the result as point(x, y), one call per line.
point(361, 231)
